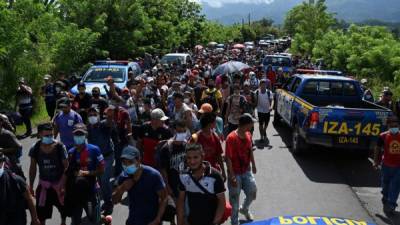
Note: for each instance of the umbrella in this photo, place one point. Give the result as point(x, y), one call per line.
point(212, 43)
point(230, 67)
point(238, 46)
point(306, 220)
point(198, 47)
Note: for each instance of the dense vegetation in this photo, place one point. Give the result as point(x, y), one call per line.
point(362, 51)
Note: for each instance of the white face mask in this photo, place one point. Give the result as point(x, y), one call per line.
point(186, 101)
point(93, 119)
point(181, 137)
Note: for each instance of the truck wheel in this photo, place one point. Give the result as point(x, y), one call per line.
point(299, 145)
point(277, 119)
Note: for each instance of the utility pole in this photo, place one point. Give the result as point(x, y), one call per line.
point(249, 20)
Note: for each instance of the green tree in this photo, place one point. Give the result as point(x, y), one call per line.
point(308, 23)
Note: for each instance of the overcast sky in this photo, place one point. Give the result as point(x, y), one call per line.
point(220, 3)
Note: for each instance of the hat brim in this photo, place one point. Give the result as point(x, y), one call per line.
point(164, 118)
point(128, 157)
point(79, 131)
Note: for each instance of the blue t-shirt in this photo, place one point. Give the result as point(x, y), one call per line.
point(87, 159)
point(65, 124)
point(143, 196)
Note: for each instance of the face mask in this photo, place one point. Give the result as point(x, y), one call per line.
point(394, 130)
point(58, 89)
point(47, 140)
point(93, 119)
point(211, 86)
point(79, 140)
point(186, 101)
point(95, 95)
point(126, 97)
point(181, 137)
point(2, 170)
point(130, 170)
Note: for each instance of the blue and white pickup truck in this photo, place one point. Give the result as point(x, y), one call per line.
point(328, 111)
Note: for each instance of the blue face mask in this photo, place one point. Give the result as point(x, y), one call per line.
point(394, 130)
point(2, 170)
point(47, 140)
point(79, 140)
point(130, 170)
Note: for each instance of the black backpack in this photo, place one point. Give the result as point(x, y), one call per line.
point(211, 99)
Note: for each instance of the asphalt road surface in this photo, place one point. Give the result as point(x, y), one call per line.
point(324, 182)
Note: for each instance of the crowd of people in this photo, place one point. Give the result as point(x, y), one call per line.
point(174, 139)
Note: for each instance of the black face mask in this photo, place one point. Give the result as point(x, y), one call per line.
point(95, 95)
point(211, 86)
point(126, 97)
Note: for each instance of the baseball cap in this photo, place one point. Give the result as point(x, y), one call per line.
point(246, 119)
point(125, 90)
point(158, 114)
point(80, 128)
point(363, 81)
point(81, 84)
point(47, 77)
point(130, 152)
point(45, 126)
point(206, 108)
point(64, 102)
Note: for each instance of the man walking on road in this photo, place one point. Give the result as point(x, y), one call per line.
point(146, 190)
point(239, 156)
point(264, 98)
point(51, 157)
point(388, 151)
point(203, 188)
point(14, 197)
point(64, 122)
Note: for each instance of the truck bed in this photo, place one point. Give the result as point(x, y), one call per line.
point(343, 103)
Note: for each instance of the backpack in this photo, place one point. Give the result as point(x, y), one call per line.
point(257, 95)
point(243, 104)
point(158, 151)
point(211, 99)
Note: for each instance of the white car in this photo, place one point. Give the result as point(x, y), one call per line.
point(180, 58)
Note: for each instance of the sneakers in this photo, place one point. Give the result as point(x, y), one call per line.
point(388, 210)
point(247, 214)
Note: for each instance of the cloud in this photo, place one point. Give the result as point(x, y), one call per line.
point(221, 3)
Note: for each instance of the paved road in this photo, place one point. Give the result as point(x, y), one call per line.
point(323, 182)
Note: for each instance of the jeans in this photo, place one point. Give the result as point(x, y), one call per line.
point(247, 183)
point(105, 185)
point(26, 114)
point(92, 210)
point(390, 185)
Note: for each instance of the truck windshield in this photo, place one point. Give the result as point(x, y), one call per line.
point(329, 88)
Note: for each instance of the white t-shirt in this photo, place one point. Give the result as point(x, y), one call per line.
point(264, 101)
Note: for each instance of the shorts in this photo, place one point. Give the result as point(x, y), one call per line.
point(263, 118)
point(46, 211)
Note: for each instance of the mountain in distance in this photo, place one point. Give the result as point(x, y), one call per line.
point(349, 10)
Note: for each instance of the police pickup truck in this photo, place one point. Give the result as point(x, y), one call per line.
point(328, 110)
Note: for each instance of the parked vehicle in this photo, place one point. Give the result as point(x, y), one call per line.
point(328, 111)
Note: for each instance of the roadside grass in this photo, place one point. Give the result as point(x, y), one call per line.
point(39, 116)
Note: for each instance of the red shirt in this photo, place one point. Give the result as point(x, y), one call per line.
point(150, 138)
point(271, 75)
point(212, 148)
point(391, 148)
point(239, 151)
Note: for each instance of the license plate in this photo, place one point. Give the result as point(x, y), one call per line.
point(344, 128)
point(347, 140)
